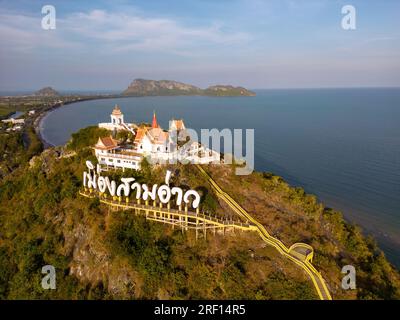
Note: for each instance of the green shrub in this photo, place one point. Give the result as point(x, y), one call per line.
point(86, 137)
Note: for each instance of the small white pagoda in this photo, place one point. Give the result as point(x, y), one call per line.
point(117, 122)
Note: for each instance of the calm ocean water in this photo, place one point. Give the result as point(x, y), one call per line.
point(341, 144)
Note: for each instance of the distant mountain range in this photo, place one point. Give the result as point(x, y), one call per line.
point(142, 87)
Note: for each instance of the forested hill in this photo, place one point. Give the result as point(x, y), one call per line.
point(47, 92)
point(142, 87)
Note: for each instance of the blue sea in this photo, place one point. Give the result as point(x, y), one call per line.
point(341, 144)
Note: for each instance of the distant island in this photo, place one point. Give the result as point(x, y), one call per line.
point(142, 87)
point(47, 92)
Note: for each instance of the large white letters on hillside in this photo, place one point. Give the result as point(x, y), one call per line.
point(164, 193)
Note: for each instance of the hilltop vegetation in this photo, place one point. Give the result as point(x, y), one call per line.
point(86, 137)
point(14, 152)
point(227, 91)
point(104, 254)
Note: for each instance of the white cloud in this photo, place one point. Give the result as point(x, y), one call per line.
point(114, 32)
point(133, 32)
point(22, 33)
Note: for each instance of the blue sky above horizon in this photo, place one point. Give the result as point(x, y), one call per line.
point(100, 45)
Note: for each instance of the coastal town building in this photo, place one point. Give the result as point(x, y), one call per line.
point(152, 142)
point(14, 121)
point(17, 124)
point(14, 128)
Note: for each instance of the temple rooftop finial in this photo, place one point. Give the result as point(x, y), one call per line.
point(154, 123)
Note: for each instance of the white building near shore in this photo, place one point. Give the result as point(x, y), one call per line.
point(14, 121)
point(152, 142)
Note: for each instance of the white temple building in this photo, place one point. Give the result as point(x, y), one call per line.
point(110, 154)
point(117, 122)
point(149, 141)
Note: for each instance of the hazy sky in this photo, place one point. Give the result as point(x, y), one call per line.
point(253, 43)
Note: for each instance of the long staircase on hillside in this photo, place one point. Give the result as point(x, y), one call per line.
point(299, 253)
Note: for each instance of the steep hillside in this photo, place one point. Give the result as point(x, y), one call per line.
point(104, 254)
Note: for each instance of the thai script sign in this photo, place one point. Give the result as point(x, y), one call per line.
point(164, 193)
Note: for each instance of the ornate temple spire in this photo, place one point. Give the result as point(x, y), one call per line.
point(154, 123)
point(116, 111)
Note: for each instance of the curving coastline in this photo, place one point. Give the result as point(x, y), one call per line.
point(38, 122)
point(37, 125)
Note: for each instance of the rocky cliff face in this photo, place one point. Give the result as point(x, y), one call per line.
point(142, 87)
